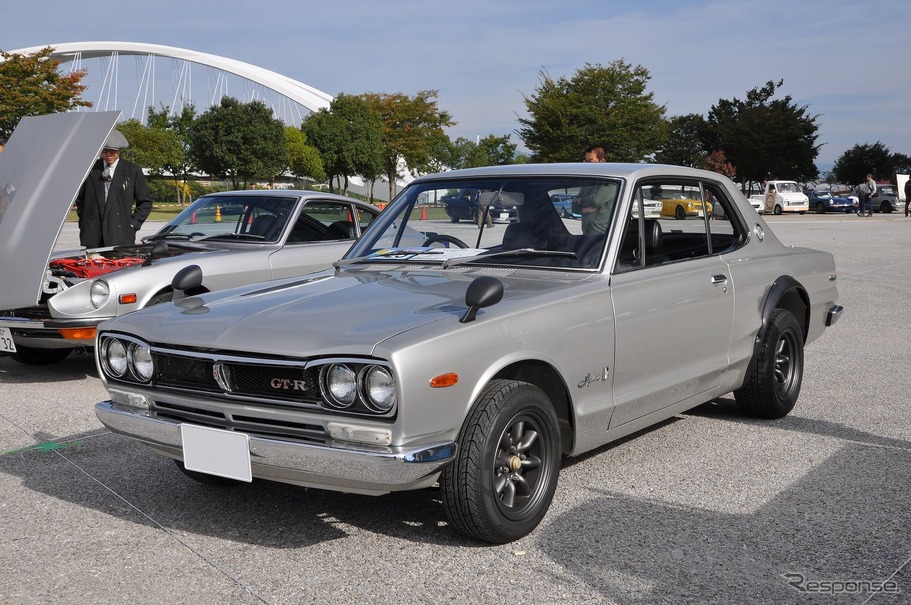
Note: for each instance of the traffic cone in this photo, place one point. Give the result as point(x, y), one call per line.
point(217, 214)
point(193, 218)
point(423, 213)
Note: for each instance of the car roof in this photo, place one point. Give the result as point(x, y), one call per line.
point(41, 170)
point(629, 171)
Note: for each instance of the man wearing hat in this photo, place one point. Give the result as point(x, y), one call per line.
point(114, 200)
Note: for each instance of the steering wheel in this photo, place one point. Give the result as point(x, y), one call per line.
point(444, 239)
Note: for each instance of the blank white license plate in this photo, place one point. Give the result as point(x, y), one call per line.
point(6, 341)
point(216, 452)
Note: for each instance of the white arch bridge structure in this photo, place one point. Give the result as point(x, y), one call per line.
point(171, 77)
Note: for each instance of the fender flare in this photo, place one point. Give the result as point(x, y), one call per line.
point(785, 293)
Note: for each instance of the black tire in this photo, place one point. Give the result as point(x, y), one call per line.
point(777, 210)
point(454, 219)
point(771, 390)
point(886, 208)
point(31, 356)
point(505, 474)
point(442, 238)
point(161, 297)
point(207, 479)
point(680, 213)
point(820, 208)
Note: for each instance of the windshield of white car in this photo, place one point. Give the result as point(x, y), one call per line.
point(556, 222)
point(234, 216)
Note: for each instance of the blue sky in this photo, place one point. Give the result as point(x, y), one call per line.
point(846, 61)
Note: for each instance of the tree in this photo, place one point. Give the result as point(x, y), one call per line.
point(31, 85)
point(489, 151)
point(156, 149)
point(598, 105)
point(348, 136)
point(303, 159)
point(854, 164)
point(684, 144)
point(764, 137)
point(412, 127)
point(178, 163)
point(238, 141)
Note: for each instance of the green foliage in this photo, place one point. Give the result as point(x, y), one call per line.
point(854, 164)
point(348, 138)
point(31, 85)
point(489, 151)
point(304, 160)
point(765, 137)
point(684, 144)
point(164, 192)
point(239, 142)
point(412, 127)
point(608, 106)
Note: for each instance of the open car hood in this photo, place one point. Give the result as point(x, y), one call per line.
point(41, 170)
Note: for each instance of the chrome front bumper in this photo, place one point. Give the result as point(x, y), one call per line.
point(346, 467)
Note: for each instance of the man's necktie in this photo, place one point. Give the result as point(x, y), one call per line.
point(106, 177)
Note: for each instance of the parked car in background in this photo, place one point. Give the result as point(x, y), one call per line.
point(824, 201)
point(474, 358)
point(886, 198)
point(563, 203)
point(237, 238)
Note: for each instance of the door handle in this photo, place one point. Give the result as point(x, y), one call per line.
point(719, 280)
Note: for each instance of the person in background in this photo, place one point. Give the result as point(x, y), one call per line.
point(907, 194)
point(593, 202)
point(865, 192)
point(114, 199)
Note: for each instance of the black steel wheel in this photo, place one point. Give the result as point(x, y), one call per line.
point(680, 213)
point(505, 474)
point(772, 388)
point(820, 208)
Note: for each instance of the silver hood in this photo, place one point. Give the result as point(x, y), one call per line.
point(41, 170)
point(321, 313)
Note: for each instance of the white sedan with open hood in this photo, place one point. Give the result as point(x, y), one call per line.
point(50, 304)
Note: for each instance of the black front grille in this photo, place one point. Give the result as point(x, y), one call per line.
point(186, 372)
point(281, 382)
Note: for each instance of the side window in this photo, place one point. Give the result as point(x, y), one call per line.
point(322, 220)
point(672, 220)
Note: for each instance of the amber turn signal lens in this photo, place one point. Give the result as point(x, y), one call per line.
point(444, 380)
point(78, 333)
point(126, 299)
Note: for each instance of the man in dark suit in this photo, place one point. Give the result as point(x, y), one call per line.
point(114, 200)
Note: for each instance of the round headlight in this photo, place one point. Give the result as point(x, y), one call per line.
point(379, 389)
point(115, 357)
point(341, 385)
point(141, 361)
point(100, 293)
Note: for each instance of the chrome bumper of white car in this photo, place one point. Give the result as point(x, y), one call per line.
point(45, 333)
point(351, 468)
point(834, 314)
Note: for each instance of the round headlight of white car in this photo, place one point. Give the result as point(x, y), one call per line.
point(100, 293)
point(115, 357)
point(379, 388)
point(340, 385)
point(140, 356)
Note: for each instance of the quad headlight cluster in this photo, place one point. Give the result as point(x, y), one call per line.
point(344, 384)
point(126, 358)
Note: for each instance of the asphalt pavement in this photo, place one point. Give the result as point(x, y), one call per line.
point(710, 506)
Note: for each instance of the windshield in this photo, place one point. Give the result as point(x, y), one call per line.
point(497, 221)
point(255, 218)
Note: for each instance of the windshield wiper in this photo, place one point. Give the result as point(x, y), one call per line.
point(233, 236)
point(158, 236)
point(529, 252)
